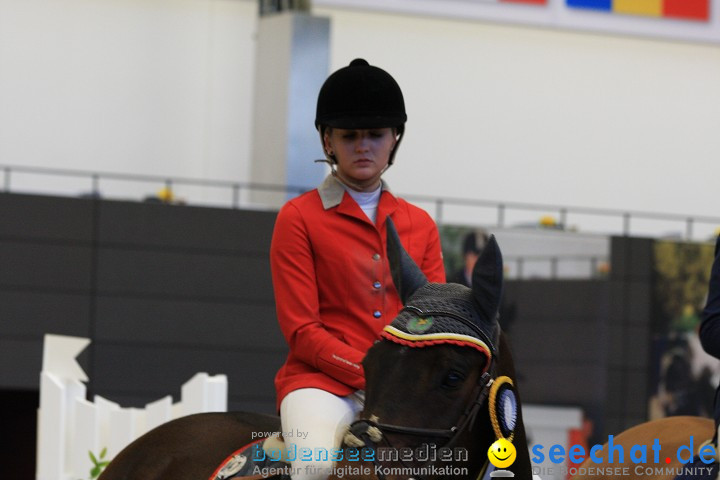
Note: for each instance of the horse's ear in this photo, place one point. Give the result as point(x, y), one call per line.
point(487, 280)
point(406, 275)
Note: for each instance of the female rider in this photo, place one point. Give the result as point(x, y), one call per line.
point(332, 284)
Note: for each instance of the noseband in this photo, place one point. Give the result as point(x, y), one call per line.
point(364, 432)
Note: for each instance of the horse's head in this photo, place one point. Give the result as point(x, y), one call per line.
point(441, 379)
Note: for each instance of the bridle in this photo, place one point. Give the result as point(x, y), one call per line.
point(361, 429)
point(457, 330)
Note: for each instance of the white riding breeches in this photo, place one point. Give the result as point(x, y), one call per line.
point(315, 420)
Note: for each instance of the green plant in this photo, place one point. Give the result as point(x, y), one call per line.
point(98, 465)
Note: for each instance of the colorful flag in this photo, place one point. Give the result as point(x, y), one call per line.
point(678, 9)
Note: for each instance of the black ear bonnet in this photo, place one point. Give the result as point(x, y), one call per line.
point(437, 313)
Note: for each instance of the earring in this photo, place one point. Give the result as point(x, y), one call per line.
point(330, 153)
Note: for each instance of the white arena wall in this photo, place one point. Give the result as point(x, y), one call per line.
point(499, 112)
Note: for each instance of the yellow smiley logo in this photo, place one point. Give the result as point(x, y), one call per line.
point(502, 453)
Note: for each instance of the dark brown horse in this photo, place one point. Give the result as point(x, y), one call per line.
point(431, 409)
point(423, 398)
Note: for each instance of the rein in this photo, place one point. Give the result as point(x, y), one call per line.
point(360, 429)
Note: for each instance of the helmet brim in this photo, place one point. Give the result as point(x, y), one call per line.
point(363, 121)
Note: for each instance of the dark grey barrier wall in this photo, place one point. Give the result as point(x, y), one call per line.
point(182, 290)
point(630, 325)
point(163, 291)
point(558, 337)
point(45, 278)
point(167, 291)
point(587, 343)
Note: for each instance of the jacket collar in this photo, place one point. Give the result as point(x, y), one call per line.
point(332, 191)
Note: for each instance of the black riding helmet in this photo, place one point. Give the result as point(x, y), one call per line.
point(361, 96)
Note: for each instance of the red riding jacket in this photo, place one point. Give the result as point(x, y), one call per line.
point(332, 283)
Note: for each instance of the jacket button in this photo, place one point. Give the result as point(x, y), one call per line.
point(376, 257)
point(377, 314)
point(377, 285)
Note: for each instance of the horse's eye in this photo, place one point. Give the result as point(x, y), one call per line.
point(453, 379)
